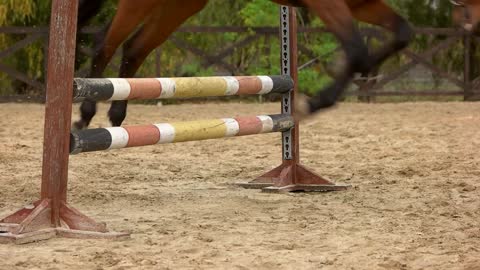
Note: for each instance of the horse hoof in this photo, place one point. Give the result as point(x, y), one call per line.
point(302, 108)
point(78, 125)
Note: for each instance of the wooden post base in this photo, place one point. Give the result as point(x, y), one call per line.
point(290, 178)
point(34, 223)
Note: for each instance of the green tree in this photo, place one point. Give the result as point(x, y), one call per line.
point(30, 59)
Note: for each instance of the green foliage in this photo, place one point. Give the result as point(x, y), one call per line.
point(194, 69)
point(30, 59)
point(431, 13)
point(259, 13)
point(311, 81)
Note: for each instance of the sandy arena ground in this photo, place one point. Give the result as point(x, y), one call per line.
point(415, 201)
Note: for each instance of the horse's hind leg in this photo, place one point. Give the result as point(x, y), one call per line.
point(338, 19)
point(378, 13)
point(165, 19)
point(129, 15)
point(87, 9)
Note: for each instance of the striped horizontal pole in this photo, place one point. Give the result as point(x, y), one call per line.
point(133, 136)
point(164, 88)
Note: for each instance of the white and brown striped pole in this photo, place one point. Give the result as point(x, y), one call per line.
point(134, 136)
point(165, 88)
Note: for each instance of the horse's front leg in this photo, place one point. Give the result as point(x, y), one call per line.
point(127, 18)
point(163, 21)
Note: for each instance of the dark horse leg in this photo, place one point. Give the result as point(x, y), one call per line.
point(163, 17)
point(380, 14)
point(87, 9)
point(339, 18)
point(162, 22)
point(128, 16)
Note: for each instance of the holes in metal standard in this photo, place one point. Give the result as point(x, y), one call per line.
point(285, 46)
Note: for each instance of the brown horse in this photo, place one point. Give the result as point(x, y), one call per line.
point(162, 17)
point(466, 13)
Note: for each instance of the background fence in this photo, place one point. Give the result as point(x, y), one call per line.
point(417, 71)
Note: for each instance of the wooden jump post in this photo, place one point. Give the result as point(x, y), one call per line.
point(51, 216)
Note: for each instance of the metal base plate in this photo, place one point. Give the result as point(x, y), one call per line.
point(45, 234)
point(34, 223)
point(291, 178)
